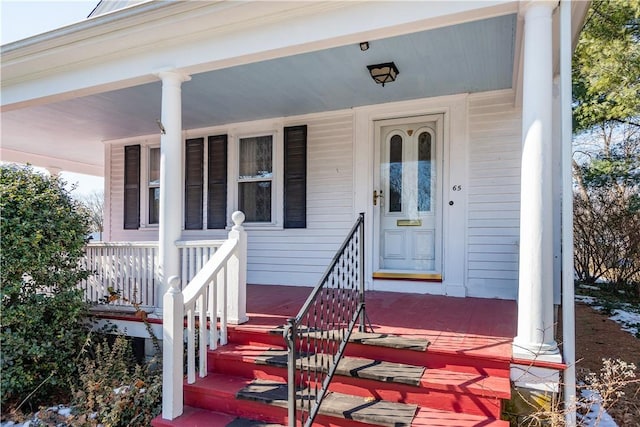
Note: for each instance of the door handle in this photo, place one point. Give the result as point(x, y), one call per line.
point(377, 196)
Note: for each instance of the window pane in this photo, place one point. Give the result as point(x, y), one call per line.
point(424, 172)
point(255, 157)
point(154, 166)
point(254, 199)
point(395, 174)
point(154, 205)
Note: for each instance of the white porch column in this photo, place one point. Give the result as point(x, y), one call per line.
point(170, 226)
point(535, 337)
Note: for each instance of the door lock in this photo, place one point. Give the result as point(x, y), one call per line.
point(377, 196)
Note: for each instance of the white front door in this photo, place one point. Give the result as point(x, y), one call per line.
point(407, 197)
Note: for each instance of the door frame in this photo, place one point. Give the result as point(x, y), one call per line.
point(435, 275)
point(454, 220)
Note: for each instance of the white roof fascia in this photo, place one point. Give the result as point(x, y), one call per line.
point(94, 168)
point(125, 47)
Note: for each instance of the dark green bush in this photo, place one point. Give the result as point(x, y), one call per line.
point(42, 234)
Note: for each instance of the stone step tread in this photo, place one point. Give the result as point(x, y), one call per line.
point(351, 367)
point(367, 338)
point(366, 410)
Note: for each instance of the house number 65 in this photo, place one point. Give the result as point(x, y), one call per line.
point(457, 188)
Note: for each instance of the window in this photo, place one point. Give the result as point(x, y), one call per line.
point(425, 174)
point(395, 174)
point(153, 185)
point(255, 178)
point(268, 181)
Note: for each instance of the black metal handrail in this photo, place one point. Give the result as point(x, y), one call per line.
point(316, 338)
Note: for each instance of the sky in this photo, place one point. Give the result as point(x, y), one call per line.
point(25, 18)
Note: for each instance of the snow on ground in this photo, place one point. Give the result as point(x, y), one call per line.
point(624, 314)
point(62, 410)
point(629, 320)
point(628, 317)
point(596, 415)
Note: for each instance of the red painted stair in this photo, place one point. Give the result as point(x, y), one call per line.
point(439, 388)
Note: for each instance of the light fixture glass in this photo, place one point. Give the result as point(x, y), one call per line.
point(383, 73)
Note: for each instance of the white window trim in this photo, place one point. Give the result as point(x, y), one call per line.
point(277, 188)
point(144, 185)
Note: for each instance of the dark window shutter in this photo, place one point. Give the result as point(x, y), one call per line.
point(132, 187)
point(217, 185)
point(193, 177)
point(295, 177)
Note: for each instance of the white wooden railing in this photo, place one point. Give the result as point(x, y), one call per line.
point(194, 255)
point(127, 268)
point(215, 296)
point(131, 269)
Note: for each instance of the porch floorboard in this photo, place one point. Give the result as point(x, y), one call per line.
point(473, 327)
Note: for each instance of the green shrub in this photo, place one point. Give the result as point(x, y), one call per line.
point(42, 327)
point(116, 389)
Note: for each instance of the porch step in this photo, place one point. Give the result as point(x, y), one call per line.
point(198, 417)
point(265, 402)
point(356, 367)
point(368, 338)
point(370, 411)
point(247, 381)
point(392, 348)
point(437, 388)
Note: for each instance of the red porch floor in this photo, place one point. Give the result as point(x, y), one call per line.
point(474, 327)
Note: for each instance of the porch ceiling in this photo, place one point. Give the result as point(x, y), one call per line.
point(470, 57)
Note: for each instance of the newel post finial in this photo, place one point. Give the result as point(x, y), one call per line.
point(238, 219)
point(174, 284)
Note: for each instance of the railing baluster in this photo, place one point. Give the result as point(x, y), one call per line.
point(192, 262)
point(200, 258)
point(144, 274)
point(183, 265)
point(126, 276)
point(154, 271)
point(213, 315)
point(223, 306)
point(191, 346)
point(203, 336)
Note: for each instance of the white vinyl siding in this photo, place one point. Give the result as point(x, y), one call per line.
point(300, 256)
point(283, 256)
point(494, 196)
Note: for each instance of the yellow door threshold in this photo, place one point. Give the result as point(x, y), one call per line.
point(425, 277)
